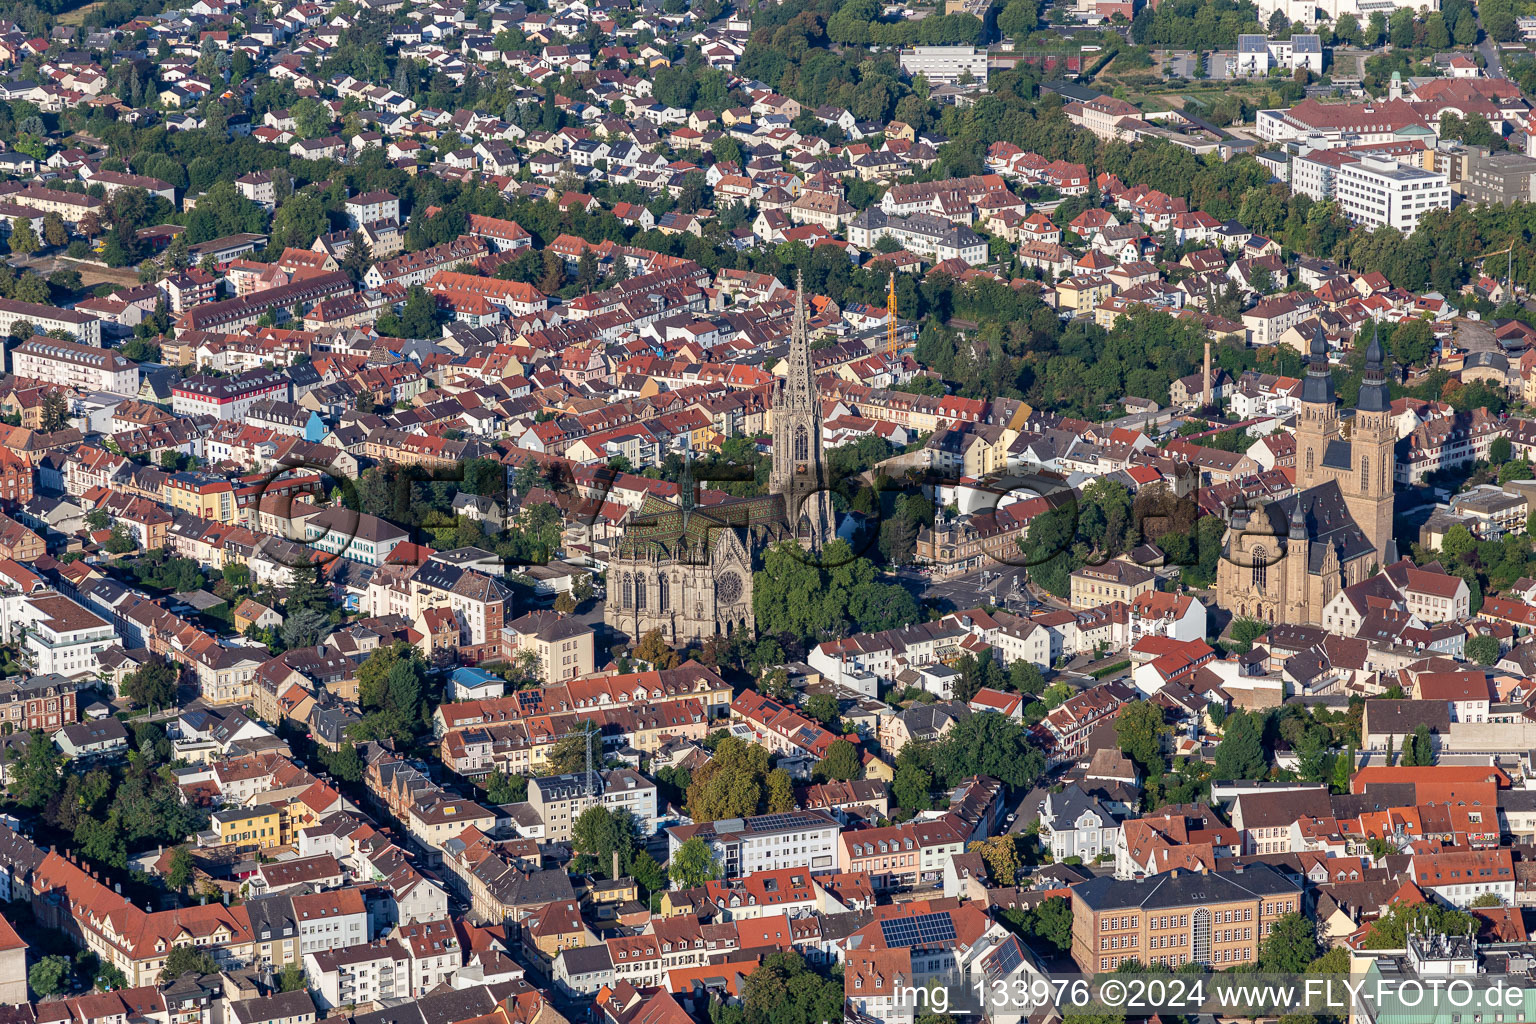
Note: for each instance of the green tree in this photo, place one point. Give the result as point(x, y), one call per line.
point(1458, 541)
point(992, 745)
point(600, 833)
point(1483, 649)
point(55, 231)
point(569, 752)
point(1291, 945)
point(1243, 632)
point(693, 864)
point(152, 684)
point(1140, 728)
point(732, 784)
point(344, 763)
point(23, 238)
point(1423, 746)
point(1241, 753)
point(1347, 29)
point(37, 775)
point(791, 594)
point(179, 873)
point(1095, 1013)
point(843, 762)
point(781, 792)
point(49, 976)
point(1436, 34)
point(187, 960)
point(784, 989)
point(311, 118)
point(420, 317)
point(1390, 930)
point(647, 873)
point(823, 707)
point(358, 257)
point(504, 788)
point(1053, 923)
point(55, 410)
point(291, 978)
point(913, 788)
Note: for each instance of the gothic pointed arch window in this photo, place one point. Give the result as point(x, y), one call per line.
point(1365, 471)
point(1260, 569)
point(629, 590)
point(802, 444)
point(1309, 461)
point(663, 593)
point(640, 592)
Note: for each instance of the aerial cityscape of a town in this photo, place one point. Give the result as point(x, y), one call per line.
point(635, 512)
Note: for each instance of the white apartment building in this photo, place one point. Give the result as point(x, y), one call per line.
point(228, 398)
point(331, 920)
point(435, 953)
point(82, 326)
point(259, 188)
point(73, 365)
point(59, 636)
point(359, 974)
point(560, 799)
point(945, 65)
point(1375, 191)
point(766, 842)
point(355, 536)
point(1310, 12)
point(372, 207)
point(922, 233)
point(1313, 172)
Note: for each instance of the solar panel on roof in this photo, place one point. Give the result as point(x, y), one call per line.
point(1008, 958)
point(919, 930)
point(765, 822)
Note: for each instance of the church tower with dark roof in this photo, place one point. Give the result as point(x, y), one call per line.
point(1318, 421)
point(799, 474)
point(1373, 439)
point(1286, 561)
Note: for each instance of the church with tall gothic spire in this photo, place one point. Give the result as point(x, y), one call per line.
point(1285, 560)
point(686, 569)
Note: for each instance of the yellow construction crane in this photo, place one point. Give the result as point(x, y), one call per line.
point(890, 319)
point(1509, 270)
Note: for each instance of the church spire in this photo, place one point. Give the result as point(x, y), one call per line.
point(1374, 395)
point(1298, 530)
point(685, 486)
point(799, 472)
point(799, 388)
point(1317, 388)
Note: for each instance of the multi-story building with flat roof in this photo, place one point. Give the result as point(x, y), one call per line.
point(766, 842)
point(1376, 191)
point(946, 65)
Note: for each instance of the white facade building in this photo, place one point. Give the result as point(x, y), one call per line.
point(1310, 12)
point(766, 842)
point(59, 636)
point(82, 326)
point(945, 65)
point(73, 365)
point(1376, 191)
